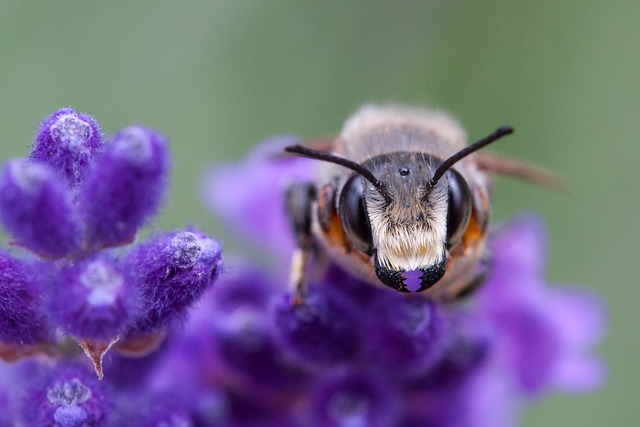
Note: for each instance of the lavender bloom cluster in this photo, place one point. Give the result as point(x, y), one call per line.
point(73, 208)
point(350, 356)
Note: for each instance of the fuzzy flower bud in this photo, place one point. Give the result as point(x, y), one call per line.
point(21, 321)
point(173, 270)
point(470, 343)
point(67, 141)
point(251, 352)
point(323, 329)
point(68, 396)
point(125, 187)
point(35, 208)
point(93, 300)
point(353, 398)
point(410, 333)
point(240, 287)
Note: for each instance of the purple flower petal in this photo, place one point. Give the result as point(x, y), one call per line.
point(519, 251)
point(578, 318)
point(242, 285)
point(545, 333)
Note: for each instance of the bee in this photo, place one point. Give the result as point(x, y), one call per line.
point(399, 191)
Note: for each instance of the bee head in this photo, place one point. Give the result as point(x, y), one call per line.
point(405, 209)
point(413, 229)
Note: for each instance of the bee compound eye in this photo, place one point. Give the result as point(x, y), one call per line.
point(353, 214)
point(459, 211)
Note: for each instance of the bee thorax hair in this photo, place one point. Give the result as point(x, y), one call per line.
point(438, 129)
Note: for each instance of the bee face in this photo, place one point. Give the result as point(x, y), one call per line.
point(390, 200)
point(414, 229)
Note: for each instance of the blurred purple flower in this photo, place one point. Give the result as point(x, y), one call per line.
point(547, 331)
point(68, 396)
point(341, 359)
point(249, 197)
point(353, 398)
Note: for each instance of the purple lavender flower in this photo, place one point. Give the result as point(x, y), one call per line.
point(547, 332)
point(252, 356)
point(173, 270)
point(67, 141)
point(411, 335)
point(93, 299)
point(65, 204)
point(66, 396)
point(125, 187)
point(353, 398)
point(322, 330)
point(36, 209)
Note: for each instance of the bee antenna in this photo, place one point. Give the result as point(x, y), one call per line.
point(499, 133)
point(356, 167)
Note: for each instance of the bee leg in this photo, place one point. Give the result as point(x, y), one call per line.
point(299, 201)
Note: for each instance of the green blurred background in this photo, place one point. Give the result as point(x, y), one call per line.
point(217, 77)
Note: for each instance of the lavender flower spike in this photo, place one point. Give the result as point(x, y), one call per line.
point(67, 204)
point(126, 186)
point(35, 208)
point(67, 141)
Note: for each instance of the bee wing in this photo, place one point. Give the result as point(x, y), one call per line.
point(498, 164)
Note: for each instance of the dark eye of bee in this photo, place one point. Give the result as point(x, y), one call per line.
point(353, 214)
point(459, 207)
